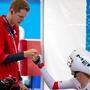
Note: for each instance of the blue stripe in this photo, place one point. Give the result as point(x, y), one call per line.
point(88, 25)
point(34, 1)
point(31, 1)
point(32, 82)
point(36, 82)
point(5, 1)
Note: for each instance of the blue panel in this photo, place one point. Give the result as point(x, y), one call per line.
point(4, 7)
point(31, 23)
point(36, 82)
point(31, 1)
point(88, 25)
point(5, 0)
point(34, 1)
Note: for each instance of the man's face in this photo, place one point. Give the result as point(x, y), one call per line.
point(80, 77)
point(17, 17)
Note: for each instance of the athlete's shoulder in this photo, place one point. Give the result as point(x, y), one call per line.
point(2, 21)
point(87, 87)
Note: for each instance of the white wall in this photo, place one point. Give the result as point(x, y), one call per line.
point(64, 30)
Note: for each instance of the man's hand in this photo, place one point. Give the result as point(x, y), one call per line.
point(22, 86)
point(30, 52)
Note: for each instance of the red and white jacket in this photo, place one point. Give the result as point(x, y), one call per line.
point(7, 47)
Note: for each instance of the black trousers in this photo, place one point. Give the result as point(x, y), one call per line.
point(3, 87)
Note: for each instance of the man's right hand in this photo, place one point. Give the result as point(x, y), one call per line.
point(30, 52)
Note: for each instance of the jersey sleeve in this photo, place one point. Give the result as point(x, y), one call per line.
point(67, 84)
point(52, 84)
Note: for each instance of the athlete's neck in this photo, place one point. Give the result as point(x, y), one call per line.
point(84, 83)
point(9, 18)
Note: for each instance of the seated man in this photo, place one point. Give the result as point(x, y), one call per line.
point(79, 63)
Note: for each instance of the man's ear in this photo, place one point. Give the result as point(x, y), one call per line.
point(12, 11)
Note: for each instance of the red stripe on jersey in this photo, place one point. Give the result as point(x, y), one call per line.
point(55, 86)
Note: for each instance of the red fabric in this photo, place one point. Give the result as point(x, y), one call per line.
point(27, 67)
point(6, 48)
point(41, 65)
point(55, 86)
point(24, 63)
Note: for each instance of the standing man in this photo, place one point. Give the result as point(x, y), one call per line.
point(9, 39)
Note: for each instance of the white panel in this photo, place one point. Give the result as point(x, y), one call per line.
point(22, 33)
point(64, 30)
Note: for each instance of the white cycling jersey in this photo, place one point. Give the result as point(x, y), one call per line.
point(73, 84)
point(68, 84)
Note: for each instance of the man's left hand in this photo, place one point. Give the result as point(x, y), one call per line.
point(22, 86)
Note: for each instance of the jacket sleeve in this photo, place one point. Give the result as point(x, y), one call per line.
point(14, 57)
